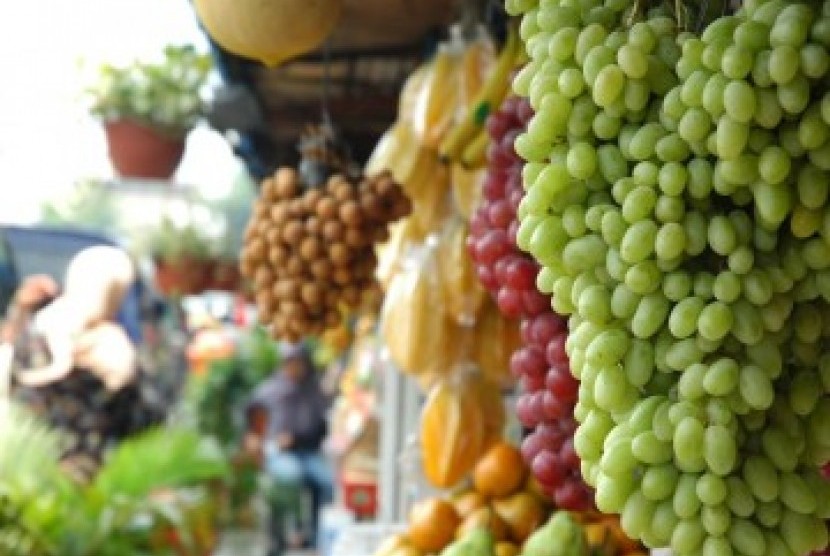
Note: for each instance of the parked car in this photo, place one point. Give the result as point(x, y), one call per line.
point(155, 324)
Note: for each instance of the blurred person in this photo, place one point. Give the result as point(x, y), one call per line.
point(72, 364)
point(295, 410)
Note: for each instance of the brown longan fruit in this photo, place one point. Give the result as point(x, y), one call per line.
point(313, 225)
point(351, 295)
point(268, 189)
point(333, 230)
point(321, 269)
point(246, 267)
point(287, 184)
point(311, 198)
point(342, 276)
point(370, 204)
point(402, 207)
point(332, 318)
point(263, 277)
point(311, 248)
point(286, 289)
point(291, 308)
point(278, 212)
point(294, 266)
point(344, 192)
point(312, 295)
point(326, 208)
point(355, 237)
point(293, 232)
point(297, 208)
point(257, 249)
point(274, 235)
point(380, 234)
point(383, 184)
point(350, 213)
point(277, 255)
point(332, 298)
point(339, 254)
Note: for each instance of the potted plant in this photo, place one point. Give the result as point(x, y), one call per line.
point(148, 108)
point(183, 258)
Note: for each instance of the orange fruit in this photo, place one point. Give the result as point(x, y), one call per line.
point(467, 502)
point(507, 549)
point(500, 472)
point(432, 524)
point(484, 518)
point(522, 512)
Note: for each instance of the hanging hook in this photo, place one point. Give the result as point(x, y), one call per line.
point(326, 89)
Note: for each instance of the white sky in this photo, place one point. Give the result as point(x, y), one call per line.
point(47, 140)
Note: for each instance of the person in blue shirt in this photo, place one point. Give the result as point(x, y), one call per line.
point(296, 410)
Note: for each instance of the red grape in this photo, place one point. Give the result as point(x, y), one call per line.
point(521, 274)
point(546, 327)
point(509, 302)
point(546, 468)
point(492, 246)
point(541, 366)
point(532, 383)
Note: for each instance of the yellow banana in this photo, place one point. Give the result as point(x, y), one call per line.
point(475, 153)
point(488, 99)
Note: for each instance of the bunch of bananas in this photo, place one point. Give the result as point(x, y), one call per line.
point(467, 141)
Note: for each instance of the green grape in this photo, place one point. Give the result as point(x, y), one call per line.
point(722, 377)
point(691, 92)
point(711, 489)
point(688, 445)
point(562, 43)
point(739, 101)
point(712, 99)
point(582, 161)
point(732, 138)
point(784, 63)
point(715, 321)
point(686, 503)
point(589, 37)
point(638, 204)
point(752, 35)
point(721, 451)
point(794, 96)
point(761, 477)
point(747, 538)
point(815, 61)
point(737, 62)
point(633, 61)
point(638, 241)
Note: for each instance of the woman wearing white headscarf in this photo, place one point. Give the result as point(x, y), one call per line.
point(73, 364)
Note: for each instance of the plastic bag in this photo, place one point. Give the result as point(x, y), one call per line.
point(436, 106)
point(467, 189)
point(462, 416)
point(462, 294)
point(496, 338)
point(413, 326)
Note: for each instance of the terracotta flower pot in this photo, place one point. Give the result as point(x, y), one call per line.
point(138, 151)
point(226, 276)
point(183, 276)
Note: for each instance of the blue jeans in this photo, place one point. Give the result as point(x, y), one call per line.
point(310, 469)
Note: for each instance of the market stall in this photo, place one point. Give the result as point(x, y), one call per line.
point(564, 265)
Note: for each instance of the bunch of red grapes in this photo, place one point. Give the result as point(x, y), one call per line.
point(549, 391)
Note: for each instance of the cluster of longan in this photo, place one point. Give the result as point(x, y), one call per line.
point(310, 253)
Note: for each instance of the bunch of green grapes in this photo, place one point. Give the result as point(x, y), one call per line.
point(677, 193)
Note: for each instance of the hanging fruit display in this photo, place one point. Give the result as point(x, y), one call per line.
point(676, 189)
point(270, 31)
point(310, 252)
